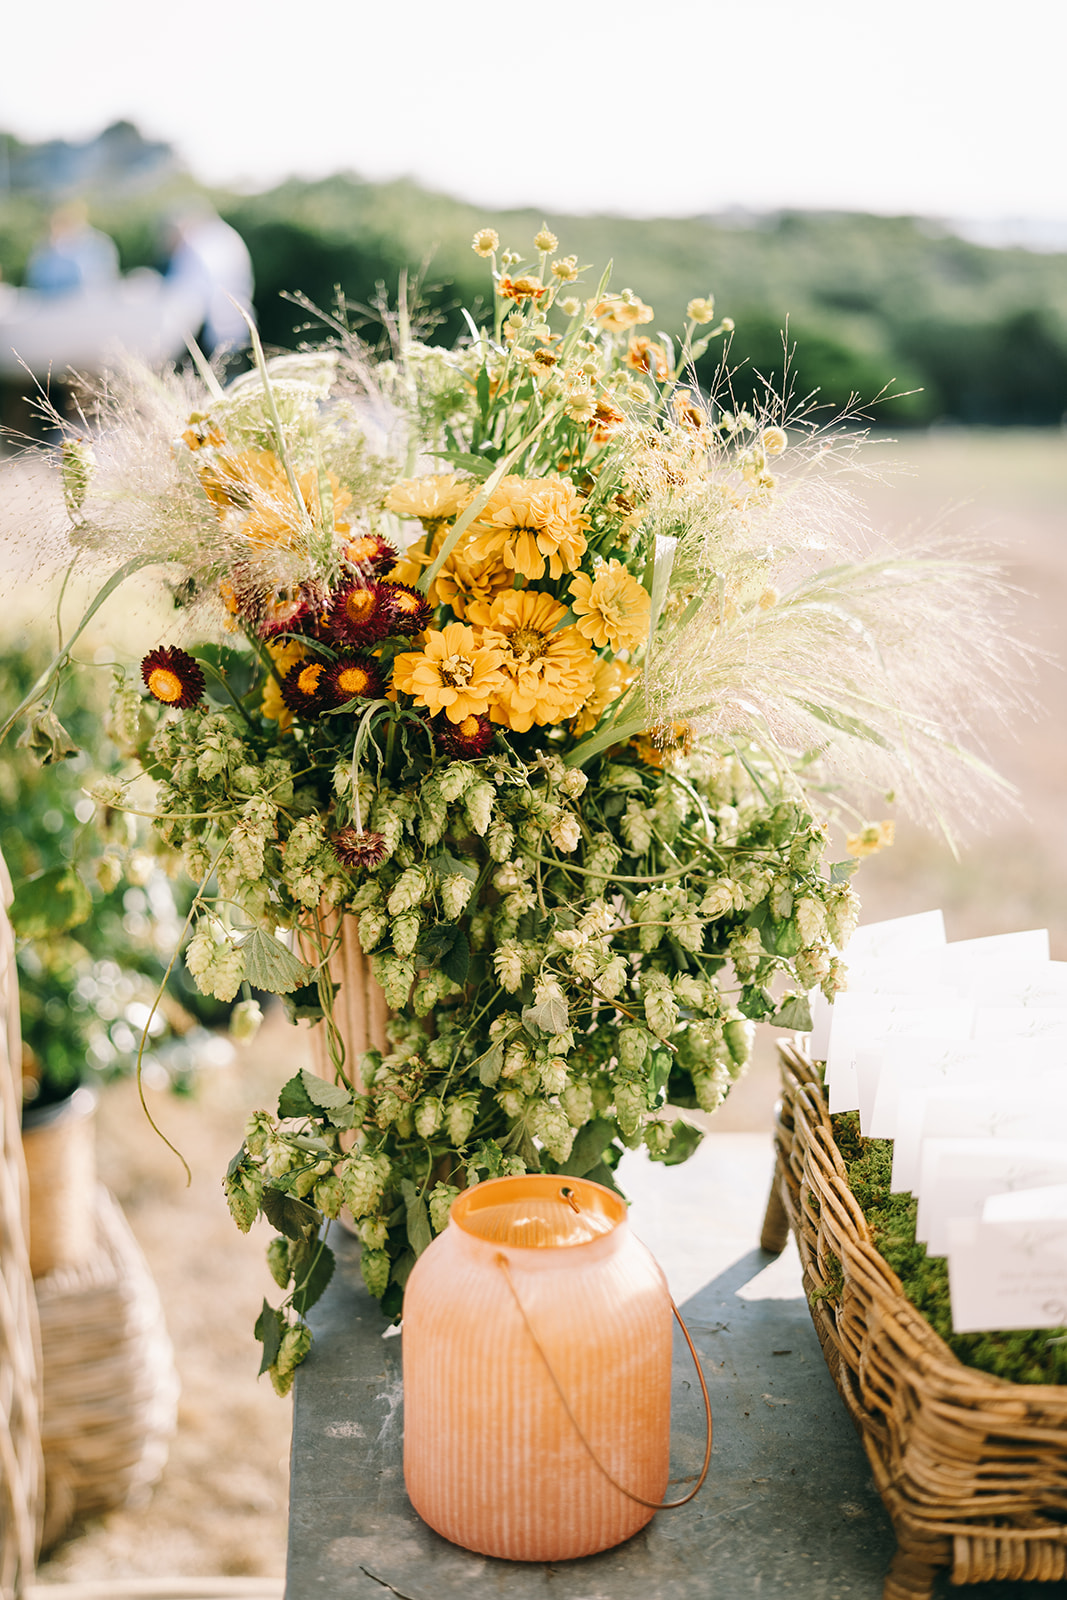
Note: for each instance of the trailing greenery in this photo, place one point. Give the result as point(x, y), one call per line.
point(1037, 1355)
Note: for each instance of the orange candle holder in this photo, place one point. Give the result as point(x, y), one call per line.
point(537, 1373)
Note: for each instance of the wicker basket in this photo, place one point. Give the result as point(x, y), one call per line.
point(972, 1469)
point(110, 1386)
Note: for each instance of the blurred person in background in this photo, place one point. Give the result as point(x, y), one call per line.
point(74, 257)
point(211, 258)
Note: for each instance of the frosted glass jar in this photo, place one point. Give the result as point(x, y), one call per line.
point(536, 1301)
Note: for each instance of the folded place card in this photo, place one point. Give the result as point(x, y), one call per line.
point(1021, 1022)
point(990, 1110)
point(1026, 1205)
point(907, 1064)
point(872, 942)
point(1007, 1274)
point(957, 1175)
point(865, 1021)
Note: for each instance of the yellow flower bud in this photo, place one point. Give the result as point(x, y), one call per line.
point(701, 310)
point(545, 240)
point(774, 441)
point(485, 241)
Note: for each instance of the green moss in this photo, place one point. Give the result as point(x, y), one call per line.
point(1023, 1356)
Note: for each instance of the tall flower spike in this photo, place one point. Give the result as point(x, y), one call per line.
point(173, 677)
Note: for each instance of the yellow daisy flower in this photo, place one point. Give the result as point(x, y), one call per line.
point(548, 671)
point(528, 520)
point(612, 607)
point(455, 672)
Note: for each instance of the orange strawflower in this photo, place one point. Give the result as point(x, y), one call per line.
point(645, 355)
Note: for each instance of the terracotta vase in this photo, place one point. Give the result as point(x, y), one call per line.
point(537, 1368)
point(360, 1011)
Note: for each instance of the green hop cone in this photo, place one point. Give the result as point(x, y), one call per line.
point(374, 1266)
point(329, 1195)
point(296, 1342)
point(577, 1102)
point(459, 1118)
point(278, 1262)
point(406, 933)
point(632, 1048)
point(243, 1189)
point(739, 1035)
point(361, 1184)
point(427, 1117)
point(549, 1123)
point(629, 1104)
point(441, 1200)
point(407, 892)
point(479, 801)
point(657, 1136)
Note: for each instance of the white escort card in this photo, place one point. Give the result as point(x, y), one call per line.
point(1030, 1109)
point(866, 1020)
point(906, 1066)
point(871, 943)
point(1007, 1274)
point(957, 1175)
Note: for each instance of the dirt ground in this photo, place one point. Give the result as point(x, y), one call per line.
point(221, 1505)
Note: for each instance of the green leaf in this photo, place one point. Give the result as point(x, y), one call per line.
point(489, 1064)
point(419, 1231)
point(548, 1016)
point(287, 1214)
point(268, 1330)
point(455, 964)
point(796, 1014)
point(841, 871)
point(304, 1004)
point(312, 1286)
point(270, 966)
point(47, 738)
point(588, 1148)
point(50, 903)
point(446, 865)
point(478, 466)
point(684, 1141)
point(854, 726)
point(294, 1100)
point(328, 1096)
point(659, 1072)
point(399, 1276)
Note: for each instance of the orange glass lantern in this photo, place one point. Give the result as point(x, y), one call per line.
point(537, 1373)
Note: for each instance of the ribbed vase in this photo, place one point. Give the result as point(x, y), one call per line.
point(531, 1274)
point(360, 1011)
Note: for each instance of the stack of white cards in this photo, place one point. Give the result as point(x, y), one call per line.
point(958, 1053)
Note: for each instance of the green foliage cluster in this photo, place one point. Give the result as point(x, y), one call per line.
point(1037, 1355)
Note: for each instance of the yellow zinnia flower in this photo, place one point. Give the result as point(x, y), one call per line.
point(436, 498)
point(527, 520)
point(547, 670)
point(612, 607)
point(462, 581)
point(455, 672)
point(610, 679)
point(251, 488)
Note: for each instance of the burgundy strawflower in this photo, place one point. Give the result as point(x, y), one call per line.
point(360, 613)
point(355, 849)
point(173, 677)
point(303, 689)
point(288, 611)
point(409, 610)
point(354, 675)
point(370, 554)
point(462, 740)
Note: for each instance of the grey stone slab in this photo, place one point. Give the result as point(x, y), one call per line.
point(788, 1509)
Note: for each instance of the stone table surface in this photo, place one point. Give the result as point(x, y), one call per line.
point(789, 1508)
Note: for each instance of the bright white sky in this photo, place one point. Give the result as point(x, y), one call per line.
point(946, 107)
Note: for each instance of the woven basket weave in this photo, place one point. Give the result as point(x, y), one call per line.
point(110, 1387)
point(972, 1469)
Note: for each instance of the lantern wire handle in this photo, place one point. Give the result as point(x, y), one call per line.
point(654, 1505)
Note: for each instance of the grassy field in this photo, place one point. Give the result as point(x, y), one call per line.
point(221, 1505)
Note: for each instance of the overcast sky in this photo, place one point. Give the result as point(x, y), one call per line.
point(952, 108)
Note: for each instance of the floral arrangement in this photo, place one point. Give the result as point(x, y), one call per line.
point(549, 670)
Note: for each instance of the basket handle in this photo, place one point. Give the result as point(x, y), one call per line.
point(654, 1505)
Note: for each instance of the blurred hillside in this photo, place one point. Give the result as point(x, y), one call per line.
point(870, 301)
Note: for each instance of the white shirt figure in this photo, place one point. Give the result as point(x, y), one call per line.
point(212, 258)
